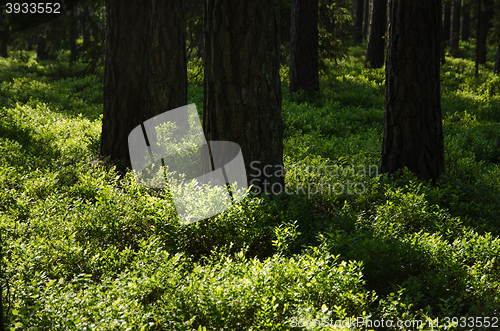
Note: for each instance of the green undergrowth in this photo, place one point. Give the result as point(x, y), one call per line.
point(86, 248)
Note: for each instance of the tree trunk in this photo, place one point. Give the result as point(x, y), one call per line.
point(482, 32)
point(455, 28)
point(496, 69)
point(144, 69)
point(73, 35)
point(358, 37)
point(466, 22)
point(4, 40)
point(445, 36)
point(413, 135)
point(4, 37)
point(285, 25)
point(41, 49)
point(167, 56)
point(29, 44)
point(447, 22)
point(375, 53)
point(366, 21)
point(243, 87)
point(86, 28)
point(304, 46)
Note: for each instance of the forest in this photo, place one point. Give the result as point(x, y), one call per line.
point(369, 135)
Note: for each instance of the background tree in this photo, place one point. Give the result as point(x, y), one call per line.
point(73, 34)
point(466, 19)
point(366, 19)
point(455, 28)
point(42, 53)
point(483, 13)
point(358, 36)
point(242, 82)
point(413, 135)
point(85, 27)
point(496, 68)
point(496, 35)
point(144, 71)
point(445, 35)
point(304, 46)
point(375, 52)
point(4, 33)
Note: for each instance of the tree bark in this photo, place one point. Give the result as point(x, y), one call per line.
point(375, 53)
point(125, 77)
point(496, 69)
point(4, 37)
point(4, 40)
point(445, 36)
point(144, 69)
point(73, 35)
point(85, 28)
point(304, 46)
point(482, 32)
point(447, 22)
point(167, 56)
point(455, 28)
point(413, 135)
point(366, 21)
point(358, 37)
point(243, 87)
point(466, 22)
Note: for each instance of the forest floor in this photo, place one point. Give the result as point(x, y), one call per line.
point(85, 248)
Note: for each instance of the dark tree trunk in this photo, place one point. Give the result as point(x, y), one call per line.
point(95, 31)
point(482, 32)
point(141, 69)
point(168, 65)
point(413, 135)
point(4, 40)
point(86, 37)
point(455, 28)
point(285, 23)
point(86, 28)
point(73, 35)
point(125, 77)
point(466, 22)
point(304, 46)
point(242, 84)
point(496, 69)
point(366, 22)
point(41, 49)
point(445, 35)
point(358, 37)
point(447, 22)
point(200, 43)
point(375, 53)
point(29, 44)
